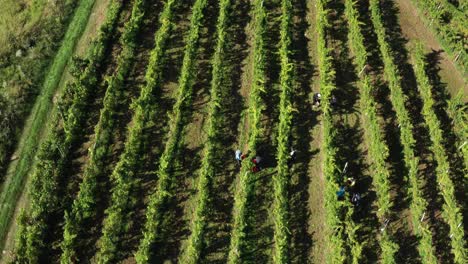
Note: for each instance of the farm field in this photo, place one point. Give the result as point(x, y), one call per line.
point(234, 131)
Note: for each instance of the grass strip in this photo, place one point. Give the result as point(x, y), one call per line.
point(31, 137)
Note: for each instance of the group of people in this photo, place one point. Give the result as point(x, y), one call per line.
point(351, 187)
point(318, 98)
point(256, 162)
point(256, 167)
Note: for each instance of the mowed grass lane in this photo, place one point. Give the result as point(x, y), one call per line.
point(31, 137)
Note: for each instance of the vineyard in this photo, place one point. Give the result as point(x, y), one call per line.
point(223, 131)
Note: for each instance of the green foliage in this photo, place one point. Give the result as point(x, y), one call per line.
point(281, 178)
point(13, 185)
point(215, 122)
point(163, 191)
point(340, 227)
point(418, 204)
point(377, 149)
point(83, 86)
point(458, 112)
point(118, 214)
point(56, 150)
point(450, 26)
point(256, 106)
point(30, 30)
point(450, 210)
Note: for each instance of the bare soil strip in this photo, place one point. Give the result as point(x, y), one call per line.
point(316, 223)
point(305, 123)
point(178, 214)
point(413, 28)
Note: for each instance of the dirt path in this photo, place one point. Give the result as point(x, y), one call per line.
point(177, 215)
point(414, 29)
point(432, 192)
point(130, 91)
point(218, 231)
point(305, 184)
point(399, 217)
point(350, 141)
point(190, 150)
point(94, 22)
point(156, 134)
point(259, 239)
point(316, 223)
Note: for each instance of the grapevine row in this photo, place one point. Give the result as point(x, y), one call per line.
point(340, 225)
point(125, 170)
point(377, 149)
point(18, 172)
point(459, 115)
point(451, 40)
point(333, 208)
point(84, 205)
point(281, 178)
point(55, 152)
point(244, 190)
point(214, 126)
point(418, 204)
point(159, 199)
point(450, 210)
point(458, 19)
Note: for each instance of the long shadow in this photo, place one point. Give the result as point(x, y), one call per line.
point(271, 96)
point(441, 96)
point(218, 232)
point(176, 225)
point(427, 166)
point(414, 105)
point(260, 231)
point(72, 178)
point(350, 136)
point(154, 132)
point(304, 121)
point(398, 172)
point(133, 85)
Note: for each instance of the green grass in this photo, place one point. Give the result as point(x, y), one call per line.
point(31, 137)
point(17, 17)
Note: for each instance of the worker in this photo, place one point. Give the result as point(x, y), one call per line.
point(341, 192)
point(238, 156)
point(292, 157)
point(256, 161)
point(351, 182)
point(255, 168)
point(317, 97)
point(292, 154)
point(356, 199)
point(333, 101)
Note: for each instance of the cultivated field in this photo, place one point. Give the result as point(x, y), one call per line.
point(120, 121)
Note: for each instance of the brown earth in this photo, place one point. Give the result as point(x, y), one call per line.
point(414, 28)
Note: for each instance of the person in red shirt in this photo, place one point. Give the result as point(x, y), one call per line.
point(256, 161)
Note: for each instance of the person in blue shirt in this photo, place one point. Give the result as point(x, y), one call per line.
point(238, 156)
point(341, 192)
